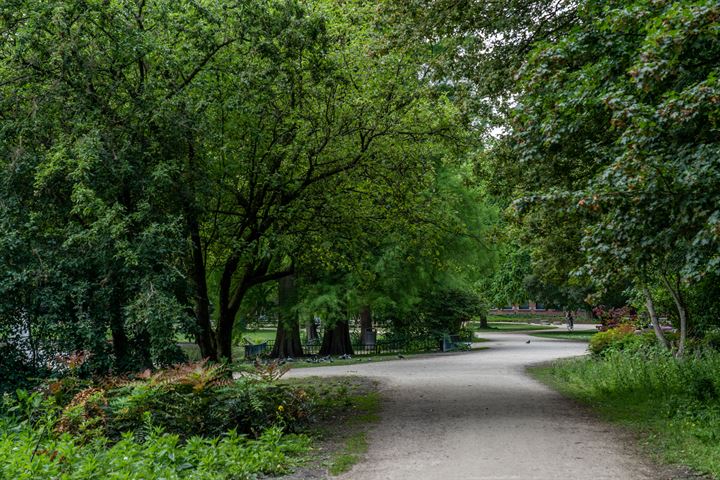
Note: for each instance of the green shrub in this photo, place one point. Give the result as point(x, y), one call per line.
point(15, 371)
point(189, 421)
point(159, 456)
point(186, 400)
point(621, 338)
point(711, 339)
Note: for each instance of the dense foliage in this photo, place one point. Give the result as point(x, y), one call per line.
point(674, 404)
point(163, 161)
point(190, 421)
point(607, 156)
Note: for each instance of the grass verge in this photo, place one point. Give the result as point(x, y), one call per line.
point(672, 405)
point(581, 336)
point(355, 447)
point(352, 403)
point(510, 327)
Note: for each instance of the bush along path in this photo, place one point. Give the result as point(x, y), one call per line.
point(478, 415)
point(190, 421)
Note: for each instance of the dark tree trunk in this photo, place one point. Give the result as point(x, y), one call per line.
point(228, 309)
point(205, 335)
point(287, 337)
point(483, 320)
point(287, 340)
point(311, 331)
point(366, 324)
point(142, 343)
point(223, 336)
point(336, 340)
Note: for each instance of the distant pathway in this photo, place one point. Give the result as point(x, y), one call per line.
point(477, 415)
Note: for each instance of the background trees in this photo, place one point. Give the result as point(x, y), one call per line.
point(622, 104)
point(607, 150)
point(160, 160)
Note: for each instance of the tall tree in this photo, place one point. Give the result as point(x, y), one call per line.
point(298, 115)
point(626, 104)
point(95, 158)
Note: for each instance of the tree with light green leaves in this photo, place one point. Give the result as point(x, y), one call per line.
point(162, 159)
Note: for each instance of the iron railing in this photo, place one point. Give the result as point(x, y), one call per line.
point(381, 347)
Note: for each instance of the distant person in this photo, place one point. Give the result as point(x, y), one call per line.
point(569, 321)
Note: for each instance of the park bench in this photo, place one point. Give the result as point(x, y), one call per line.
point(450, 343)
point(252, 351)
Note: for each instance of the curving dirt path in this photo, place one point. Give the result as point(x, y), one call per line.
point(477, 415)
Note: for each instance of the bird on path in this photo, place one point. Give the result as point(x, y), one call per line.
point(400, 356)
point(528, 341)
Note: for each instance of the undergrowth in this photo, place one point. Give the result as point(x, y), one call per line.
point(190, 421)
point(674, 403)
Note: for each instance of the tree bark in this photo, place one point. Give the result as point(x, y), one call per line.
point(336, 340)
point(653, 318)
point(366, 323)
point(205, 335)
point(287, 341)
point(287, 337)
point(682, 312)
point(226, 320)
point(311, 331)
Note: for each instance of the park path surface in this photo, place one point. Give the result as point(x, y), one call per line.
point(477, 415)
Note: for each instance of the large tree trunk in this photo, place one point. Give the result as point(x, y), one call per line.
point(653, 318)
point(336, 340)
point(311, 331)
point(228, 308)
point(483, 320)
point(223, 336)
point(682, 312)
point(366, 324)
point(205, 335)
point(287, 337)
point(287, 341)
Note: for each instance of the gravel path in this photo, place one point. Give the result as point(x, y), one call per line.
point(477, 415)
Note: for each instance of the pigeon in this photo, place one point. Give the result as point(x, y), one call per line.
point(528, 341)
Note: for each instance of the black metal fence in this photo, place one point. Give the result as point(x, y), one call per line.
point(381, 347)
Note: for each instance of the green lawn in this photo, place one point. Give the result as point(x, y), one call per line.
point(511, 327)
point(352, 402)
point(581, 336)
point(533, 317)
point(524, 317)
point(259, 336)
